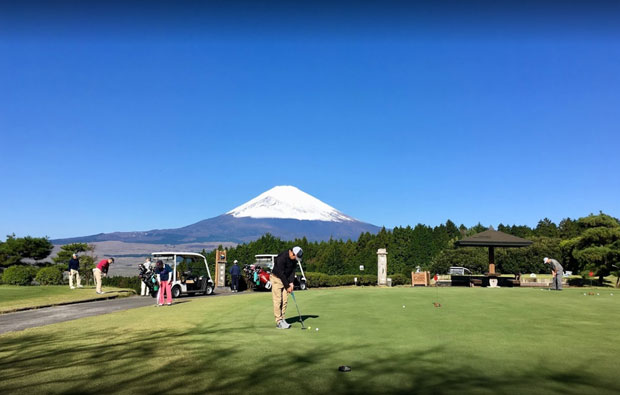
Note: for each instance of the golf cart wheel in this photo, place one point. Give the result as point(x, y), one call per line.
point(302, 285)
point(209, 289)
point(176, 291)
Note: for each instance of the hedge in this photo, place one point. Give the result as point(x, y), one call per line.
point(122, 282)
point(315, 279)
point(51, 275)
point(19, 275)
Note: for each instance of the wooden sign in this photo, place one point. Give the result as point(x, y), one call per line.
point(421, 278)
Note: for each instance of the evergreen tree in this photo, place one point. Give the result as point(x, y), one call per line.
point(15, 249)
point(453, 231)
point(568, 228)
point(596, 248)
point(546, 228)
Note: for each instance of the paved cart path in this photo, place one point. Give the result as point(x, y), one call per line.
point(50, 315)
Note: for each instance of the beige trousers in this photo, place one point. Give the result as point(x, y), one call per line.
point(97, 275)
point(279, 296)
point(73, 272)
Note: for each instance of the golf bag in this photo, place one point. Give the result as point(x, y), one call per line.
point(257, 278)
point(148, 277)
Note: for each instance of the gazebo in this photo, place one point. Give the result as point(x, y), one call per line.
point(492, 238)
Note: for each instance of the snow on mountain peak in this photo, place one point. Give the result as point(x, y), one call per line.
point(288, 202)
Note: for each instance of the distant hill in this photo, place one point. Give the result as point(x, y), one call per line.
point(283, 211)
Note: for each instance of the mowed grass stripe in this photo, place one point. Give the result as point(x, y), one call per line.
point(19, 297)
point(482, 341)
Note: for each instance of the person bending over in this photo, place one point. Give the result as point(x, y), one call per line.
point(282, 278)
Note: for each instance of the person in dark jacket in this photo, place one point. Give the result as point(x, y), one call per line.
point(74, 267)
point(235, 272)
point(282, 278)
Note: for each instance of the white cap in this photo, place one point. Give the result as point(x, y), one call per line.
point(298, 252)
point(546, 260)
point(235, 261)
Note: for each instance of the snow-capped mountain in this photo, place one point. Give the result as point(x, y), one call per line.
point(283, 211)
point(290, 203)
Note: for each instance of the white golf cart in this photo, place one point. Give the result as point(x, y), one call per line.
point(268, 260)
point(190, 272)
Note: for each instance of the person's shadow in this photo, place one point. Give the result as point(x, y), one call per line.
point(303, 317)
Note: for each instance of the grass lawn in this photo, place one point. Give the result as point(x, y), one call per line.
point(16, 297)
point(482, 341)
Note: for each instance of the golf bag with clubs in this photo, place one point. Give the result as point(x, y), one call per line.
point(257, 278)
point(148, 277)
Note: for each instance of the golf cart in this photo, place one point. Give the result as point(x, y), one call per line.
point(458, 270)
point(258, 274)
point(190, 273)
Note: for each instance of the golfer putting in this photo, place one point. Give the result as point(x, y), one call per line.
point(282, 280)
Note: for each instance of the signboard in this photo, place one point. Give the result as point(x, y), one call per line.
point(421, 278)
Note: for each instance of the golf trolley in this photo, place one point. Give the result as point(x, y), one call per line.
point(258, 275)
point(257, 278)
point(148, 277)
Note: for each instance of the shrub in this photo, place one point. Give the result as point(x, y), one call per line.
point(122, 282)
point(50, 275)
point(316, 279)
point(19, 275)
point(400, 279)
point(576, 282)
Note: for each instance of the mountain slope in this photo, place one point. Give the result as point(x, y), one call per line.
point(283, 211)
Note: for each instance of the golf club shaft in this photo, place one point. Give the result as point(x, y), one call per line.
point(298, 312)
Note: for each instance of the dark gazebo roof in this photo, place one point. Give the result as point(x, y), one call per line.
point(493, 238)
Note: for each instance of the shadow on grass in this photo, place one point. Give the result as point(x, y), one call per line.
point(196, 363)
point(305, 318)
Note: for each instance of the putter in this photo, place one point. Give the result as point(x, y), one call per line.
point(300, 319)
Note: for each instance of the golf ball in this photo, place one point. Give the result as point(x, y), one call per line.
point(403, 306)
point(584, 294)
point(611, 294)
point(309, 327)
point(317, 329)
point(597, 294)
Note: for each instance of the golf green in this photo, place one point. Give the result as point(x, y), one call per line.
point(482, 341)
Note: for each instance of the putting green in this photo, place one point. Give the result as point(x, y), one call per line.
point(482, 341)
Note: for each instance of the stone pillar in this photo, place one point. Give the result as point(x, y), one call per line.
point(220, 268)
point(382, 266)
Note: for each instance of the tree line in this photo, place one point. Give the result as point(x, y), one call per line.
point(586, 245)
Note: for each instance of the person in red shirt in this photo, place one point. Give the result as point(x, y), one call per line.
point(101, 269)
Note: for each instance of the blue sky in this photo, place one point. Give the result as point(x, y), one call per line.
point(122, 118)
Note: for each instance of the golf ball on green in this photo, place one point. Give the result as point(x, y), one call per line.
point(317, 329)
point(403, 306)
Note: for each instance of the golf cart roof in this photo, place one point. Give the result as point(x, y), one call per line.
point(165, 253)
